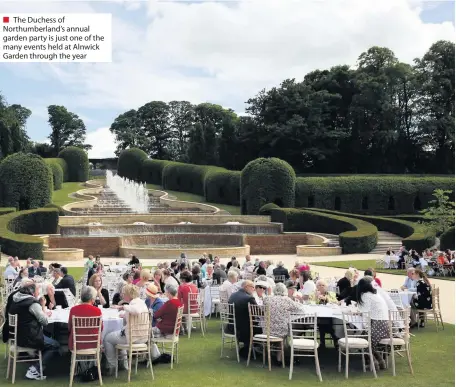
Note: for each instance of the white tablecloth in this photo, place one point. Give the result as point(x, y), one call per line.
point(208, 307)
point(118, 268)
point(111, 320)
point(406, 297)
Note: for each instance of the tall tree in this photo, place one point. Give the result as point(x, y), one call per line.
point(435, 72)
point(67, 129)
point(181, 120)
point(155, 128)
point(127, 130)
point(13, 135)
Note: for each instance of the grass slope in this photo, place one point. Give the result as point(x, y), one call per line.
point(200, 364)
point(366, 264)
point(189, 197)
point(61, 198)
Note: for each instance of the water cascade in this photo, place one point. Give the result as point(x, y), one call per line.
point(135, 195)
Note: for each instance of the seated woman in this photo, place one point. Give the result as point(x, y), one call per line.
point(102, 297)
point(186, 287)
point(169, 278)
point(321, 296)
point(166, 315)
point(85, 309)
point(23, 273)
point(136, 306)
point(345, 284)
point(143, 283)
point(261, 291)
point(159, 280)
point(280, 306)
point(196, 276)
point(127, 278)
point(422, 299)
point(369, 301)
point(153, 300)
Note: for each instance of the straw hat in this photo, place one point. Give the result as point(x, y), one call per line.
point(152, 291)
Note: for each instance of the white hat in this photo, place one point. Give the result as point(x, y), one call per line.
point(264, 284)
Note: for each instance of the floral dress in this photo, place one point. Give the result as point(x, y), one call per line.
point(424, 296)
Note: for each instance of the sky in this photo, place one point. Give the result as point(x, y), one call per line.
point(222, 52)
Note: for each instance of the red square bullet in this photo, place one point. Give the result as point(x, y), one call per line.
point(5, 19)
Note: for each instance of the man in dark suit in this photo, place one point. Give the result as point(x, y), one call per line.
point(34, 269)
point(67, 281)
point(219, 275)
point(280, 270)
point(241, 300)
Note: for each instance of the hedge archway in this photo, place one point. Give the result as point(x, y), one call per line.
point(25, 182)
point(267, 180)
point(78, 163)
point(130, 163)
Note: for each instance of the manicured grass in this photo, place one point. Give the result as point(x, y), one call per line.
point(189, 197)
point(61, 198)
point(366, 264)
point(200, 365)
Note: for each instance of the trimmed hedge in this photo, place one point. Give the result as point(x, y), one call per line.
point(130, 163)
point(447, 239)
point(15, 227)
point(355, 235)
point(57, 207)
point(25, 181)
point(376, 195)
point(152, 171)
point(78, 163)
point(415, 236)
point(185, 177)
point(62, 163)
point(266, 209)
point(223, 186)
point(6, 210)
point(57, 173)
point(267, 180)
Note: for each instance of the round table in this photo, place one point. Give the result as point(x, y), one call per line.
point(111, 320)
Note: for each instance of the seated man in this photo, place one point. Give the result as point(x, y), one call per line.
point(409, 283)
point(34, 269)
point(166, 315)
point(85, 309)
point(241, 300)
point(31, 317)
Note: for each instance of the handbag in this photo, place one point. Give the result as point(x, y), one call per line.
point(89, 375)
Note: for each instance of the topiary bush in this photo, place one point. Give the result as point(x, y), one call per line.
point(355, 236)
point(152, 171)
point(15, 226)
point(62, 163)
point(130, 163)
point(57, 173)
point(447, 239)
point(57, 207)
point(376, 195)
point(222, 186)
point(78, 163)
point(416, 236)
point(185, 177)
point(266, 209)
point(267, 180)
point(25, 181)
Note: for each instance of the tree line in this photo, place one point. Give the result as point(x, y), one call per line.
point(383, 116)
point(67, 129)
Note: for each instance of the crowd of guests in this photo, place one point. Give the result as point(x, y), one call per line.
point(431, 261)
point(164, 290)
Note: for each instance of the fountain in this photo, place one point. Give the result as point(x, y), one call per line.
point(134, 195)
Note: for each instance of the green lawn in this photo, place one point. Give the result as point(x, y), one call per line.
point(61, 198)
point(200, 365)
point(366, 264)
point(189, 197)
